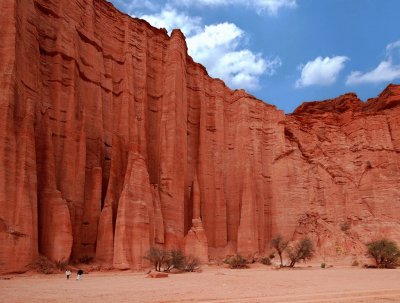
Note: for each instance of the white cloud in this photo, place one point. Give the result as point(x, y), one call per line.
point(393, 47)
point(217, 39)
point(387, 70)
point(222, 34)
point(321, 71)
point(217, 47)
point(271, 6)
point(243, 68)
point(170, 19)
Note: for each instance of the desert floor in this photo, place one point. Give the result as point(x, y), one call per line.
point(215, 284)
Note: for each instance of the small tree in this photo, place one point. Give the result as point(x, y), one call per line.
point(384, 252)
point(156, 256)
point(280, 245)
point(304, 250)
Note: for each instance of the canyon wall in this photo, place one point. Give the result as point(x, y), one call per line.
point(113, 140)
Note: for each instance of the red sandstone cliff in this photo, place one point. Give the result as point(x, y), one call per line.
point(113, 140)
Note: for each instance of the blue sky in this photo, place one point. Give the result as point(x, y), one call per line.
point(286, 52)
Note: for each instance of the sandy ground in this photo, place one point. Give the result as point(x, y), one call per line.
point(214, 284)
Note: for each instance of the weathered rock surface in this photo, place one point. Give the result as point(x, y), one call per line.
point(195, 242)
point(341, 168)
point(113, 140)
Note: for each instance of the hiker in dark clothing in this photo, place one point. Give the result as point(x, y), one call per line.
point(79, 274)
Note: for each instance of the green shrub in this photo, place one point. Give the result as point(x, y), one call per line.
point(237, 261)
point(265, 260)
point(385, 253)
point(304, 250)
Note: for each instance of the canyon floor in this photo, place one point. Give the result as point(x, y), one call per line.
point(214, 284)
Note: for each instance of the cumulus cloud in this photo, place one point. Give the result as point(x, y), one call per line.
point(217, 47)
point(170, 18)
point(270, 6)
point(321, 71)
point(386, 71)
point(243, 68)
point(222, 36)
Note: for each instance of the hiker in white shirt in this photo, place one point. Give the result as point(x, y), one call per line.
point(68, 273)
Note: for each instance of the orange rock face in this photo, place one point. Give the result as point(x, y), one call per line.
point(114, 140)
point(340, 166)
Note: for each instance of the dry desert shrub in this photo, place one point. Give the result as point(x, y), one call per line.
point(175, 259)
point(157, 257)
point(192, 264)
point(265, 260)
point(237, 262)
point(166, 260)
point(61, 265)
point(385, 253)
point(44, 265)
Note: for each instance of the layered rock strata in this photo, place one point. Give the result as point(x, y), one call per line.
point(114, 140)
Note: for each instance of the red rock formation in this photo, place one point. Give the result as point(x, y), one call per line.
point(195, 243)
point(134, 228)
point(247, 243)
point(108, 123)
point(340, 171)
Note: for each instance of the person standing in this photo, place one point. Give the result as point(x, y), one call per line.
point(68, 273)
point(79, 274)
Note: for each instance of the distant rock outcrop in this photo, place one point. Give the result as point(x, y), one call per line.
point(113, 140)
